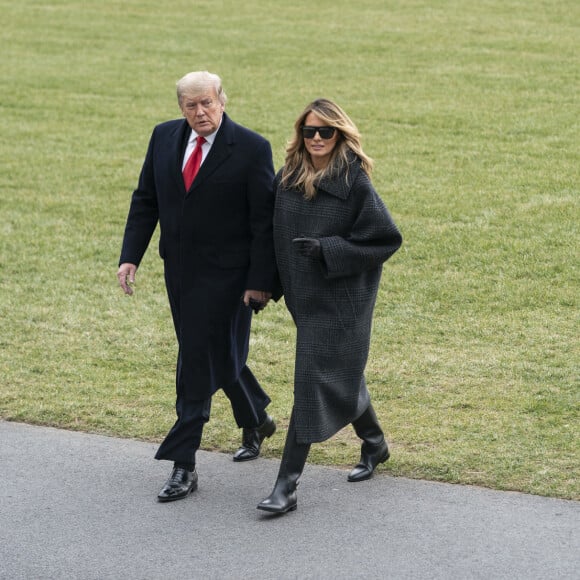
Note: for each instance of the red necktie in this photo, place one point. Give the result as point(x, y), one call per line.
point(192, 166)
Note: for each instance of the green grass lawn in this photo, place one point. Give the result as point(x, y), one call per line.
point(470, 110)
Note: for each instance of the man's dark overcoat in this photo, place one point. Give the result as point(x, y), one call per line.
point(332, 301)
point(215, 240)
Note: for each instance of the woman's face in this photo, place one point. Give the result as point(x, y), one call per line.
point(320, 149)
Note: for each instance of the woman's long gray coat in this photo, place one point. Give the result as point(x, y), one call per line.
point(332, 301)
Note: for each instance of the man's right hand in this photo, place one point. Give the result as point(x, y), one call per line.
point(126, 277)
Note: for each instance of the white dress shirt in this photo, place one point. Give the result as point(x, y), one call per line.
point(204, 148)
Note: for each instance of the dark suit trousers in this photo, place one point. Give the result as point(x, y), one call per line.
point(248, 401)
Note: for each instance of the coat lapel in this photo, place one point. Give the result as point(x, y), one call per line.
point(176, 145)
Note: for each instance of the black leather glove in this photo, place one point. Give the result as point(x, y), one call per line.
point(256, 305)
point(309, 247)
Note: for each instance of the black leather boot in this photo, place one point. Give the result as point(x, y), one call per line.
point(283, 497)
point(252, 440)
point(374, 449)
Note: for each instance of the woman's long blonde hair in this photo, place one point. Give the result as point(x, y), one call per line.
point(298, 171)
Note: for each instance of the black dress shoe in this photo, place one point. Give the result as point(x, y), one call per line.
point(180, 484)
point(252, 440)
point(370, 457)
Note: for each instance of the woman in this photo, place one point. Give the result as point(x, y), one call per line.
point(332, 234)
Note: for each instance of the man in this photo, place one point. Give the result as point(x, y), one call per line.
point(209, 183)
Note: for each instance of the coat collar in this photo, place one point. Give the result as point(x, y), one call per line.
point(340, 185)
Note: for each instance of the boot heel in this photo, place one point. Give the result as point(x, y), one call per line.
point(271, 430)
point(384, 457)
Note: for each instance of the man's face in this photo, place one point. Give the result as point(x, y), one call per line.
point(203, 111)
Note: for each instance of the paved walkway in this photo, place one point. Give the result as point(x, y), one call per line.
point(77, 506)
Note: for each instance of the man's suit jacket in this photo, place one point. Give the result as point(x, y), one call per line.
point(215, 240)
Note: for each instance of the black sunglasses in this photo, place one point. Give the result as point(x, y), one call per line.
point(324, 132)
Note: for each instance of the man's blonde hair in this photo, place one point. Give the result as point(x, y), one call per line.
point(197, 82)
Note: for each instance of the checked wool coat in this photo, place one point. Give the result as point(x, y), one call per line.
point(215, 241)
point(332, 300)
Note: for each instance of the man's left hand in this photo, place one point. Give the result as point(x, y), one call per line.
point(259, 299)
